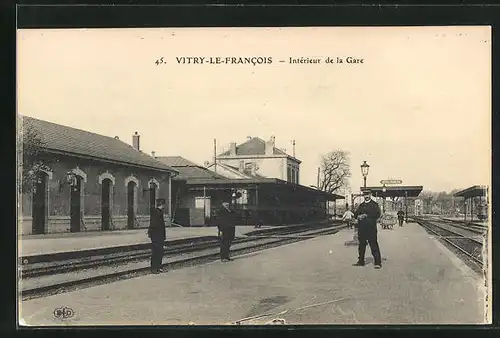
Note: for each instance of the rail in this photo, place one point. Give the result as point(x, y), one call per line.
point(47, 278)
point(469, 247)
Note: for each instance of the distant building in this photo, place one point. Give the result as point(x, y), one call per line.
point(91, 182)
point(257, 157)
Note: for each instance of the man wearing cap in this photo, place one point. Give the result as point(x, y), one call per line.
point(226, 224)
point(157, 234)
point(367, 215)
point(401, 217)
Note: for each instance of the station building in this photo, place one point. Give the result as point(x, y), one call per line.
point(90, 182)
point(198, 193)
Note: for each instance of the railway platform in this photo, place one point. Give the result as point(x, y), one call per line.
point(36, 245)
point(308, 282)
point(65, 242)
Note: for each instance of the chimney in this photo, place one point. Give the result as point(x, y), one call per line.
point(270, 146)
point(153, 153)
point(232, 148)
point(117, 138)
point(135, 141)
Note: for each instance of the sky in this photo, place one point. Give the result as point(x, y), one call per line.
point(417, 109)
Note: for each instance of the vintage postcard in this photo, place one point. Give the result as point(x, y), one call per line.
point(254, 176)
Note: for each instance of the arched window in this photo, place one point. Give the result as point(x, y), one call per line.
point(154, 192)
point(131, 184)
point(40, 202)
point(107, 182)
point(77, 195)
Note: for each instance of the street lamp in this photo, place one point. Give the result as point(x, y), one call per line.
point(71, 179)
point(365, 167)
point(406, 206)
point(383, 203)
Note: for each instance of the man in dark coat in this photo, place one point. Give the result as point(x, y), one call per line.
point(401, 217)
point(367, 215)
point(226, 225)
point(157, 234)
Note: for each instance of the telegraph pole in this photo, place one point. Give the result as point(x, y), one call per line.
point(204, 205)
point(215, 155)
point(406, 206)
point(317, 185)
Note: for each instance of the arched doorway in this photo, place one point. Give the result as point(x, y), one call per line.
point(76, 204)
point(106, 204)
point(152, 195)
point(130, 204)
point(39, 210)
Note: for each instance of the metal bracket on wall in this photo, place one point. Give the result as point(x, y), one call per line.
point(111, 223)
point(82, 223)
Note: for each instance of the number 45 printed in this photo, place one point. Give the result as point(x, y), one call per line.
point(160, 61)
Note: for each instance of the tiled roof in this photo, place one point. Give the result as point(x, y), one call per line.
point(187, 169)
point(254, 146)
point(176, 161)
point(72, 141)
point(235, 170)
point(195, 173)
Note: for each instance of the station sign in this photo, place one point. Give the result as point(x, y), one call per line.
point(386, 182)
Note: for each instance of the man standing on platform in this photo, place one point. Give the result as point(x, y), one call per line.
point(401, 217)
point(367, 215)
point(348, 218)
point(157, 233)
point(226, 225)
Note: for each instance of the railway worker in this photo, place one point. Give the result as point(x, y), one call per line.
point(401, 216)
point(226, 225)
point(367, 215)
point(348, 218)
point(157, 233)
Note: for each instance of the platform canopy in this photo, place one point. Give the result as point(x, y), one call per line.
point(395, 191)
point(271, 183)
point(474, 191)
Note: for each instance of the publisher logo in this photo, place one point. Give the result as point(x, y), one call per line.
point(64, 313)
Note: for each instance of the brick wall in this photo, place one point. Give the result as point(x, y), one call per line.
point(58, 195)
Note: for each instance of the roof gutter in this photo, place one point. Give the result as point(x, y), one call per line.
point(67, 153)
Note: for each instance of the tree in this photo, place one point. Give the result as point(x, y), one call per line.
point(334, 171)
point(30, 156)
point(441, 202)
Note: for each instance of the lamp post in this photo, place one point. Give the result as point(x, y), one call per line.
point(71, 179)
point(233, 198)
point(383, 204)
point(406, 206)
point(365, 167)
point(465, 209)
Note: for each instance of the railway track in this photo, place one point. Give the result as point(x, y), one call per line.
point(480, 229)
point(468, 247)
point(48, 278)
